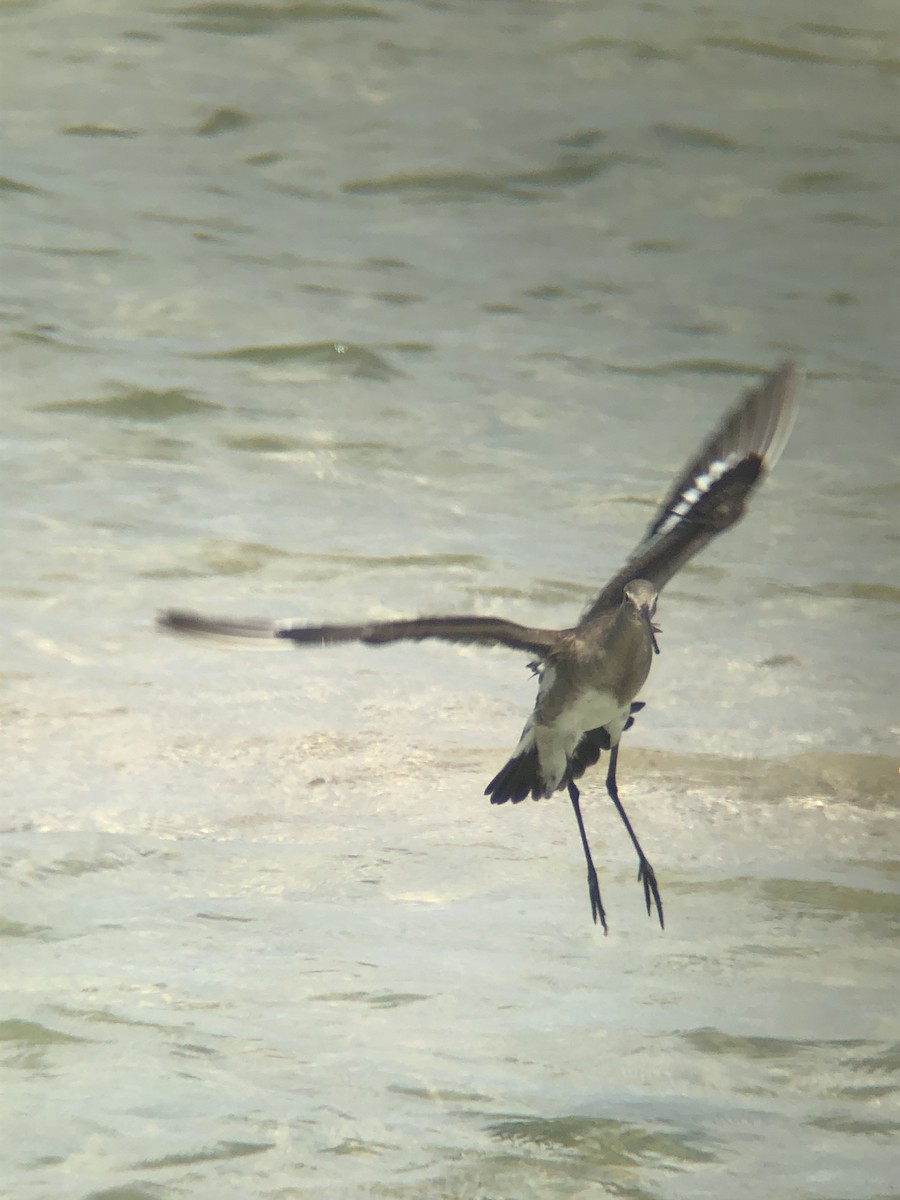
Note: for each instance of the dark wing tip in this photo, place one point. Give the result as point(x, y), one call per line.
point(762, 422)
point(180, 621)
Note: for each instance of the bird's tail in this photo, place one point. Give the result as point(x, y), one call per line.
point(522, 777)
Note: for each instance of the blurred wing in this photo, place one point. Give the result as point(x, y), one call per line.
point(759, 425)
point(220, 630)
point(484, 631)
point(711, 493)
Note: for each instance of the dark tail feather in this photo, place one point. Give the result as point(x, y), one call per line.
point(518, 779)
point(521, 776)
point(588, 750)
point(593, 743)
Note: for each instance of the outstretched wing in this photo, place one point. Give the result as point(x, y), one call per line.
point(710, 495)
point(471, 630)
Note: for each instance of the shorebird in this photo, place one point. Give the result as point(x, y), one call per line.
point(589, 674)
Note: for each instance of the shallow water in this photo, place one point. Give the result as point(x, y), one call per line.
point(338, 310)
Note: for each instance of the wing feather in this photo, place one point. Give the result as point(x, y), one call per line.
point(711, 493)
point(469, 630)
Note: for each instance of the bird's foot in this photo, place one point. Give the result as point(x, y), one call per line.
point(597, 911)
point(647, 876)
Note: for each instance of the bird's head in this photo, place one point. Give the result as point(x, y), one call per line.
point(642, 596)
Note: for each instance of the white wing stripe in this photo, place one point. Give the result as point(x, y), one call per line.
point(697, 488)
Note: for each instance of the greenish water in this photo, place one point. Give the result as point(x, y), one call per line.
point(331, 311)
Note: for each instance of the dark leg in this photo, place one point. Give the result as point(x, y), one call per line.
point(593, 887)
point(646, 874)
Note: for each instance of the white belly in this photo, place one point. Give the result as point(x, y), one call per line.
point(556, 740)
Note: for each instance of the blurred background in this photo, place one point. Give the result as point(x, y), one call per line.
point(331, 311)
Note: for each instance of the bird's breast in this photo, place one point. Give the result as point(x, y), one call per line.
point(560, 726)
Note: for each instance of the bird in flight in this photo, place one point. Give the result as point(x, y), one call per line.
point(590, 674)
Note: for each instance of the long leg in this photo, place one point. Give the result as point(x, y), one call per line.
point(593, 886)
point(646, 874)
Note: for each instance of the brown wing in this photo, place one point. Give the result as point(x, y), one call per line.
point(471, 630)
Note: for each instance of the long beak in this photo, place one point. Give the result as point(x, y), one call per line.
point(654, 629)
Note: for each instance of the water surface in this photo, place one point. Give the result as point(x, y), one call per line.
point(386, 308)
